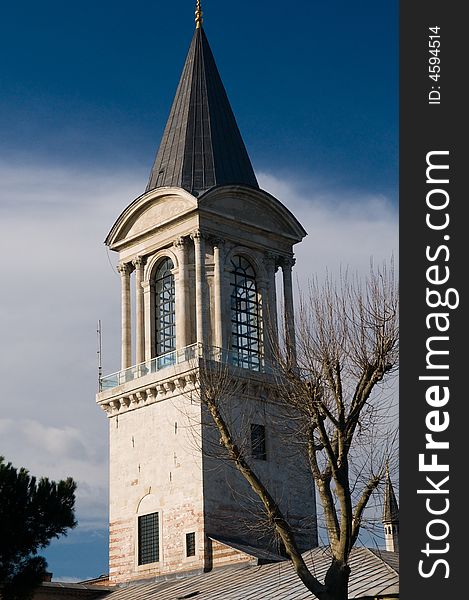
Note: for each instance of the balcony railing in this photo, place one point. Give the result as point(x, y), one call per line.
point(251, 361)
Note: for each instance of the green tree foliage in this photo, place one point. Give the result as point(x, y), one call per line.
point(32, 512)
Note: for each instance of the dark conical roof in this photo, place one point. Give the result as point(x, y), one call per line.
point(201, 146)
point(391, 508)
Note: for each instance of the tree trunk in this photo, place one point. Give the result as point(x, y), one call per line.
point(336, 581)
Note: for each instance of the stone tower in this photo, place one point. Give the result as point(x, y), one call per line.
point(390, 516)
point(203, 244)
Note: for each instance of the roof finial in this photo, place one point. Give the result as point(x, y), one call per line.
point(198, 15)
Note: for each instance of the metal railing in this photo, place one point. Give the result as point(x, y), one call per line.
point(250, 361)
point(154, 365)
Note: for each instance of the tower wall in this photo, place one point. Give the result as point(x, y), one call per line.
point(390, 516)
point(156, 466)
point(232, 509)
point(391, 537)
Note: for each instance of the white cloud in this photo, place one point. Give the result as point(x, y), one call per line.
point(59, 452)
point(65, 579)
point(345, 230)
point(57, 281)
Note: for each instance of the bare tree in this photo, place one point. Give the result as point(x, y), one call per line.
point(337, 414)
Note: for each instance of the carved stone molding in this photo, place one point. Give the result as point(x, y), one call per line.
point(148, 286)
point(185, 385)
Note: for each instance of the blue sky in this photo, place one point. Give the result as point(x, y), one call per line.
point(313, 84)
point(85, 91)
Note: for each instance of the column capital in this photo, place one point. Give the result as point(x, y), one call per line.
point(197, 235)
point(272, 260)
point(124, 269)
point(138, 262)
point(287, 262)
point(181, 242)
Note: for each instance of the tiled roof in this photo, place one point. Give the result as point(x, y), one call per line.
point(61, 590)
point(201, 146)
point(390, 558)
point(372, 575)
point(261, 554)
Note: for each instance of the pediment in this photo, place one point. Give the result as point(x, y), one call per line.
point(158, 212)
point(252, 207)
point(149, 212)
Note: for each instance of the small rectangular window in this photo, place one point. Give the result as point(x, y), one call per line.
point(148, 539)
point(258, 449)
point(190, 544)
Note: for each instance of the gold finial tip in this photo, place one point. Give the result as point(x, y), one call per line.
point(198, 15)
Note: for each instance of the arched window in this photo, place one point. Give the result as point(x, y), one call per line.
point(165, 308)
point(245, 315)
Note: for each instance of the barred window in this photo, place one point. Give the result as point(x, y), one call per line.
point(148, 539)
point(165, 308)
point(190, 544)
point(245, 315)
point(258, 449)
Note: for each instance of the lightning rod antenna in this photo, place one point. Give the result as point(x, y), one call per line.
point(99, 353)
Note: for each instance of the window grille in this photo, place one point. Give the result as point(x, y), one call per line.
point(245, 315)
point(148, 539)
point(258, 448)
point(165, 305)
point(190, 544)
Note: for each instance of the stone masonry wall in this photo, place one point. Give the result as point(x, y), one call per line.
point(231, 507)
point(156, 467)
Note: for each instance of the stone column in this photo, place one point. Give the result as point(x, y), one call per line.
point(148, 293)
point(139, 312)
point(182, 314)
point(265, 349)
point(271, 266)
point(219, 340)
point(287, 265)
point(199, 245)
point(125, 270)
